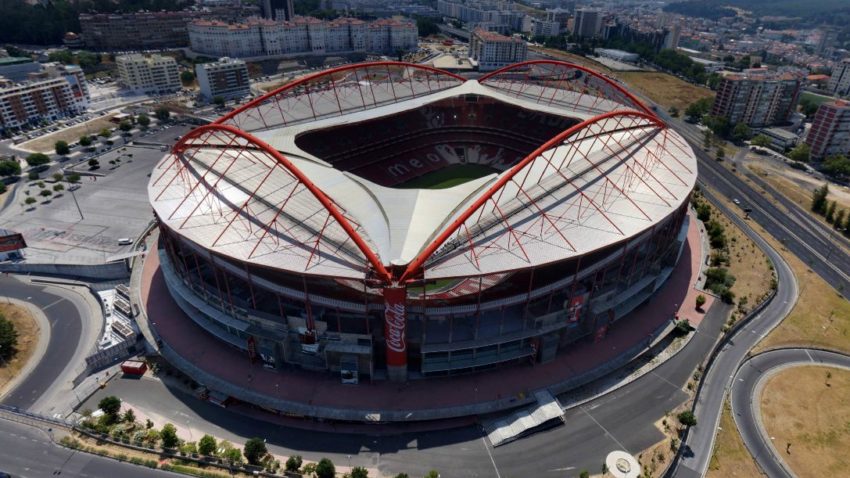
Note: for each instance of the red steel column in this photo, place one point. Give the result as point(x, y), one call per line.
point(395, 325)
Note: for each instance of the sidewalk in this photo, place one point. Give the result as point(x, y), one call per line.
point(484, 392)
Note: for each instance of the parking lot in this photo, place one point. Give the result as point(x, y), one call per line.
point(112, 199)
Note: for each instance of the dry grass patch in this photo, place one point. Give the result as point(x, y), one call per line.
point(807, 407)
point(572, 58)
point(46, 143)
point(730, 457)
point(664, 89)
point(28, 333)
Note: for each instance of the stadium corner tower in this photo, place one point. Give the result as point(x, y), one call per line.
point(402, 222)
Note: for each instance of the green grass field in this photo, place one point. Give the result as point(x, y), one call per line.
point(448, 177)
point(814, 98)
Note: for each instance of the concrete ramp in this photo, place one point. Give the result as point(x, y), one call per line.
point(543, 414)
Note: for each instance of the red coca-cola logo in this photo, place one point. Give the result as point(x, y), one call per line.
point(395, 321)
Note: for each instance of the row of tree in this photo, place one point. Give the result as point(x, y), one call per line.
point(839, 218)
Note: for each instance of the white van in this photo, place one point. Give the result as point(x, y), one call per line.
point(125, 241)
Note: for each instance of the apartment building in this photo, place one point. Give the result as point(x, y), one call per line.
point(757, 98)
point(280, 10)
point(493, 51)
point(588, 23)
point(227, 78)
point(830, 131)
point(302, 36)
point(137, 31)
point(33, 102)
point(839, 81)
point(545, 28)
point(153, 74)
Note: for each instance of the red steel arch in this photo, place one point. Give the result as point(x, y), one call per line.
point(414, 266)
point(325, 73)
point(610, 82)
point(325, 201)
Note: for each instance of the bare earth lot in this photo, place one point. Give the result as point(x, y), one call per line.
point(808, 408)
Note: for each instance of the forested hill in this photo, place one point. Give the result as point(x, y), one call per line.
point(836, 12)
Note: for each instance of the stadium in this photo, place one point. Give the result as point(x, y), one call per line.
point(395, 221)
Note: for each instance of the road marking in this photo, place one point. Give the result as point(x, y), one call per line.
point(810, 355)
point(52, 304)
point(491, 457)
point(665, 380)
point(604, 429)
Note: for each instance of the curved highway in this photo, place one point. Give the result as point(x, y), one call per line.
point(699, 442)
point(66, 326)
point(746, 400)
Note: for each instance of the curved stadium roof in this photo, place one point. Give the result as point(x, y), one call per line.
point(242, 188)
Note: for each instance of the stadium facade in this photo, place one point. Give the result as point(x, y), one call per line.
point(394, 220)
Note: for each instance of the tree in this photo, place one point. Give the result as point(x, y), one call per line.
point(62, 148)
point(584, 474)
point(125, 125)
point(255, 450)
point(233, 455)
point(168, 434)
point(105, 133)
point(325, 469)
point(57, 177)
point(761, 141)
point(30, 201)
point(741, 132)
point(143, 120)
point(8, 337)
point(58, 188)
point(830, 212)
point(432, 474)
point(819, 195)
point(162, 113)
point(45, 193)
point(129, 416)
point(219, 100)
point(839, 219)
point(402, 475)
point(85, 140)
point(110, 405)
point(206, 445)
point(187, 78)
point(359, 472)
point(837, 166)
point(720, 154)
point(293, 463)
point(699, 108)
point(426, 26)
point(800, 153)
point(700, 301)
point(94, 163)
point(674, 112)
point(37, 159)
point(73, 178)
point(706, 139)
point(719, 125)
point(808, 107)
point(687, 418)
point(9, 167)
point(2, 187)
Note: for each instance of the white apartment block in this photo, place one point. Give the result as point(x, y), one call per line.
point(227, 78)
point(38, 101)
point(153, 74)
point(545, 28)
point(493, 51)
point(839, 82)
point(302, 36)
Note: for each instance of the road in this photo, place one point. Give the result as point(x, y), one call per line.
point(65, 334)
point(803, 236)
point(718, 377)
point(27, 452)
point(745, 399)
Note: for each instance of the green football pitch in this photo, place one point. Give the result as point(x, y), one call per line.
point(448, 177)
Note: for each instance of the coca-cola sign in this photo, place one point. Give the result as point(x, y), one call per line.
point(395, 321)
